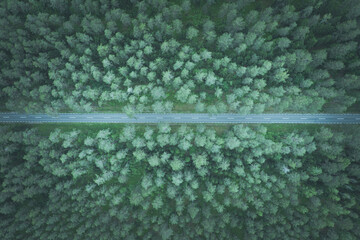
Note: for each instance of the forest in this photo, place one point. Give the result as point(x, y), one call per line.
point(179, 181)
point(160, 56)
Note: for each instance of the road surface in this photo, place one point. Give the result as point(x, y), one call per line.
point(180, 118)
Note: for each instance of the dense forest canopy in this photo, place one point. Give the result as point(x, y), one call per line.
point(161, 56)
point(179, 182)
point(186, 181)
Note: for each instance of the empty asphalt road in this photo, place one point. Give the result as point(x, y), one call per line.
point(180, 118)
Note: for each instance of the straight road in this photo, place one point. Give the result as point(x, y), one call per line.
point(180, 118)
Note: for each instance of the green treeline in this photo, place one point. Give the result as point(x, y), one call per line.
point(187, 182)
point(180, 182)
point(161, 56)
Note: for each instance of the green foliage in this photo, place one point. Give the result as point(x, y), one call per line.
point(238, 179)
point(137, 57)
point(91, 182)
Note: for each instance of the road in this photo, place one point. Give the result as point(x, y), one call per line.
point(180, 118)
